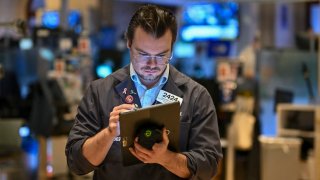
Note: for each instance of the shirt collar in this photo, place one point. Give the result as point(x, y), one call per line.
point(163, 79)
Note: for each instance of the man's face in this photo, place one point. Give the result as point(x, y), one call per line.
point(149, 56)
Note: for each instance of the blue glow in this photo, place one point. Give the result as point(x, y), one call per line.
point(204, 32)
point(184, 50)
point(24, 131)
point(30, 147)
point(46, 54)
point(26, 44)
point(51, 19)
point(197, 14)
point(200, 13)
point(74, 18)
point(24, 90)
point(103, 70)
point(268, 118)
point(315, 18)
point(213, 21)
point(33, 161)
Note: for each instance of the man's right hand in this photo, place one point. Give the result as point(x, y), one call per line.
point(114, 127)
point(97, 147)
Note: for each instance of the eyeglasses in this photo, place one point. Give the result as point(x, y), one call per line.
point(144, 58)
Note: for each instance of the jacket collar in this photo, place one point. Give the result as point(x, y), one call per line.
point(128, 92)
point(175, 80)
point(174, 75)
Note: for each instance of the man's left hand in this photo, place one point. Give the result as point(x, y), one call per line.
point(156, 155)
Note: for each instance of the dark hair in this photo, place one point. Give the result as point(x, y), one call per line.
point(153, 20)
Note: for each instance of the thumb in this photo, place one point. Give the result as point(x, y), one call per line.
point(165, 138)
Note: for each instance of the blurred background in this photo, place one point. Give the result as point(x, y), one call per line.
point(259, 60)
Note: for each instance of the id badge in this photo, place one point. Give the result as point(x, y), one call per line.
point(166, 97)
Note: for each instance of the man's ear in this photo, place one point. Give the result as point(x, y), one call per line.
point(128, 44)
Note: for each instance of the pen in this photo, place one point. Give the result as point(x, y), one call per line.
point(136, 107)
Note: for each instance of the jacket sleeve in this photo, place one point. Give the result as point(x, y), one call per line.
point(204, 148)
point(85, 126)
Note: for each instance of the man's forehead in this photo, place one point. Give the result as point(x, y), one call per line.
point(139, 31)
point(143, 41)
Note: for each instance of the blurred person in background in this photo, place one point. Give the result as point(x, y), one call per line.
point(248, 58)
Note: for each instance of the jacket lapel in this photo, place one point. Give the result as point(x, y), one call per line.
point(128, 92)
point(171, 87)
point(175, 80)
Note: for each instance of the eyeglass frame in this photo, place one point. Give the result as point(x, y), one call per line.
point(150, 57)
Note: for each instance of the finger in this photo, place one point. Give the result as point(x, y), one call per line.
point(141, 155)
point(133, 152)
point(116, 112)
point(157, 146)
point(123, 106)
point(141, 149)
point(165, 138)
point(113, 125)
point(114, 119)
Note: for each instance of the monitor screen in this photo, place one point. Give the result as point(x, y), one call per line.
point(74, 21)
point(214, 21)
point(74, 18)
point(26, 44)
point(315, 18)
point(51, 19)
point(107, 37)
point(184, 50)
point(103, 70)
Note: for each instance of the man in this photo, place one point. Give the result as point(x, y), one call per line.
point(93, 143)
point(248, 58)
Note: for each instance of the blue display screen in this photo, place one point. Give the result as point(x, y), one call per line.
point(103, 70)
point(184, 50)
point(25, 44)
point(74, 18)
point(315, 18)
point(218, 21)
point(51, 19)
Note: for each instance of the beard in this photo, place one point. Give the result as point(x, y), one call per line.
point(149, 77)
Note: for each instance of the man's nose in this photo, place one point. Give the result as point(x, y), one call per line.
point(152, 61)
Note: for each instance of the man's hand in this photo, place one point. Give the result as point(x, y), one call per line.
point(97, 147)
point(156, 155)
point(114, 127)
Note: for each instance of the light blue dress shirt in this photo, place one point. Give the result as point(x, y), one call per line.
point(148, 96)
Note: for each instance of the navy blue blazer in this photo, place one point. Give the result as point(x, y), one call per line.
point(199, 135)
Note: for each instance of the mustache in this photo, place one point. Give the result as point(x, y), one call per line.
point(150, 69)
